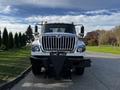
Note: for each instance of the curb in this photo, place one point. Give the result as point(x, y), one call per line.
point(8, 85)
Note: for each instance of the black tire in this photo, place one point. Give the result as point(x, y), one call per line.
point(79, 70)
point(36, 69)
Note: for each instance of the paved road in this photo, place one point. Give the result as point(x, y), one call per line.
point(103, 75)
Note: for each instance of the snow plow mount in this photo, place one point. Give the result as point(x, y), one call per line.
point(57, 63)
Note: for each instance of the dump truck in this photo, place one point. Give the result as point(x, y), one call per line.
point(57, 50)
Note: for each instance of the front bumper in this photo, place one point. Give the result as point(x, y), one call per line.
point(48, 54)
point(73, 60)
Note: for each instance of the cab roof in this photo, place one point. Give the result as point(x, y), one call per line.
point(59, 24)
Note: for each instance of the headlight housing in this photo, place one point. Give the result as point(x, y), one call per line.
point(81, 48)
point(35, 48)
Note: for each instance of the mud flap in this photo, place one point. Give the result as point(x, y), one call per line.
point(58, 60)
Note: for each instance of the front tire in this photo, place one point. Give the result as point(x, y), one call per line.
point(36, 69)
point(79, 70)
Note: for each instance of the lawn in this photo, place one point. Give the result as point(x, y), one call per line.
point(13, 62)
point(104, 49)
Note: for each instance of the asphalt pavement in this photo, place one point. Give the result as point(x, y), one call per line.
point(104, 74)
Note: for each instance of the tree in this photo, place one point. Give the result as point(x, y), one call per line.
point(10, 40)
point(29, 34)
point(92, 38)
point(16, 40)
point(117, 34)
point(0, 39)
point(20, 40)
point(107, 38)
point(5, 38)
point(24, 39)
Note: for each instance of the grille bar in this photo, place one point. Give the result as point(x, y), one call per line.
point(62, 43)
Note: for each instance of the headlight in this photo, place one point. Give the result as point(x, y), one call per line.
point(35, 48)
point(81, 48)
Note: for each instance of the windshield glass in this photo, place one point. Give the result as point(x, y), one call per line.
point(67, 28)
point(57, 30)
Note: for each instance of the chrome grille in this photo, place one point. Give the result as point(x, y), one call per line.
point(54, 43)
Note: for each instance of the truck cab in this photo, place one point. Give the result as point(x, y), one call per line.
point(57, 51)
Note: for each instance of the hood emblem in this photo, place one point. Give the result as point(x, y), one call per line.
point(58, 36)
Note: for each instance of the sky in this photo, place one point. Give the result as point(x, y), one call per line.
point(16, 15)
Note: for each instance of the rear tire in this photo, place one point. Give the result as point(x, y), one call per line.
point(79, 70)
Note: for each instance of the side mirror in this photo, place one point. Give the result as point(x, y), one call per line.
point(36, 29)
point(82, 32)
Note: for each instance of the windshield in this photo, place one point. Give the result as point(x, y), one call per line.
point(66, 28)
point(56, 29)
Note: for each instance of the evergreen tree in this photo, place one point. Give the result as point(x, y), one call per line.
point(0, 39)
point(24, 39)
point(10, 40)
point(16, 40)
point(20, 40)
point(5, 38)
point(29, 33)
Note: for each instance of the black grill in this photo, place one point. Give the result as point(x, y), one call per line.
point(58, 43)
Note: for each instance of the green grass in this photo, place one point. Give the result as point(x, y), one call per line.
point(13, 62)
point(104, 49)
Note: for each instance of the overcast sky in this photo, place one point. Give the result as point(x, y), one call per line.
point(16, 15)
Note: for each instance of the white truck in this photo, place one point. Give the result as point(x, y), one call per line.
point(57, 51)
